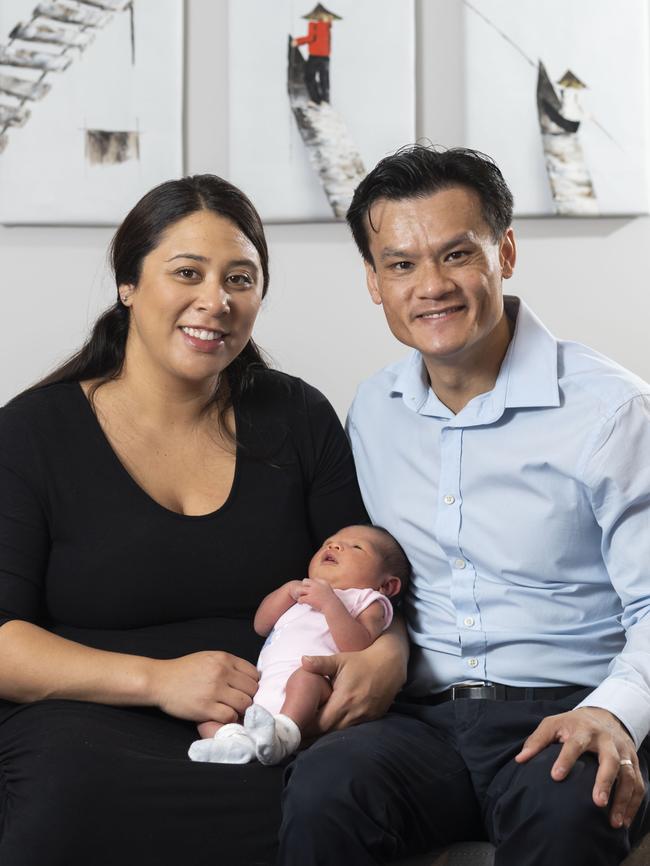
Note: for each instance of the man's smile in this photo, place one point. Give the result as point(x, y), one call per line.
point(440, 314)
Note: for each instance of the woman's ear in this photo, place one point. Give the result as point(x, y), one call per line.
point(125, 292)
point(391, 586)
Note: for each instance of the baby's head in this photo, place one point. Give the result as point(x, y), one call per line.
point(362, 557)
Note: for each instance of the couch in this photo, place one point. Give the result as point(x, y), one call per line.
point(482, 854)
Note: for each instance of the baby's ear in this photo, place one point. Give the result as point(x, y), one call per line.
point(391, 586)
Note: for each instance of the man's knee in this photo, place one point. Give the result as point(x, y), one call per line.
point(529, 789)
point(527, 807)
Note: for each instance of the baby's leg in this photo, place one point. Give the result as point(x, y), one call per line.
point(277, 737)
point(207, 730)
point(305, 694)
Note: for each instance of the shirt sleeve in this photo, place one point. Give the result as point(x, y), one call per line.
point(333, 496)
point(24, 534)
point(309, 38)
point(618, 474)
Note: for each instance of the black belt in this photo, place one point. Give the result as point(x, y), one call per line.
point(496, 692)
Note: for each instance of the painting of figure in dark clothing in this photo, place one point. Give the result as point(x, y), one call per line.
point(301, 134)
point(562, 109)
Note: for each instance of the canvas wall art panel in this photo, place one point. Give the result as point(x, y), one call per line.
point(318, 93)
point(557, 93)
point(90, 107)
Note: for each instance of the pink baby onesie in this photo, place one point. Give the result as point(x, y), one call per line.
point(303, 631)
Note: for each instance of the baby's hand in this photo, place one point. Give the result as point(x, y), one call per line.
point(294, 588)
point(318, 594)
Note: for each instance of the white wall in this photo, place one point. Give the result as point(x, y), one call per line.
point(588, 280)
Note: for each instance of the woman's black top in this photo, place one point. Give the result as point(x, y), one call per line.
point(86, 553)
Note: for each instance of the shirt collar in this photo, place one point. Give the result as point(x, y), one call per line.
point(527, 378)
point(532, 380)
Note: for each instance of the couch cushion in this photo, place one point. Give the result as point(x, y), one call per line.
point(482, 854)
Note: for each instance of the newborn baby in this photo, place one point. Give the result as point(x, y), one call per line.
point(342, 606)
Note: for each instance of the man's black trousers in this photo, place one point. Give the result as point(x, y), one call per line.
point(426, 776)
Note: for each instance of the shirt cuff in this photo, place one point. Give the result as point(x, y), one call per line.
point(630, 705)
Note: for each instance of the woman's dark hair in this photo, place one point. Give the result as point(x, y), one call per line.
point(420, 170)
point(102, 356)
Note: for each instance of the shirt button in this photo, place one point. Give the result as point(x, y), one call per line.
point(468, 621)
point(449, 499)
point(472, 662)
point(459, 563)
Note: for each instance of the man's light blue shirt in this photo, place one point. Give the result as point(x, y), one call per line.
point(526, 518)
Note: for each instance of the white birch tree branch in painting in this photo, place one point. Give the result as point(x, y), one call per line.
point(332, 152)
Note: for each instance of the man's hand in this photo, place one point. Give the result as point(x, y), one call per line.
point(364, 685)
point(592, 729)
point(318, 594)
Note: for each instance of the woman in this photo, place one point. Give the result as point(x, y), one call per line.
point(147, 489)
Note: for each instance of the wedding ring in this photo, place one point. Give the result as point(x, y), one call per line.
point(625, 762)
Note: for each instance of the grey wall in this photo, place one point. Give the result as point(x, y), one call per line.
point(588, 280)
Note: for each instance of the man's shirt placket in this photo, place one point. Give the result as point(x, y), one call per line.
point(471, 641)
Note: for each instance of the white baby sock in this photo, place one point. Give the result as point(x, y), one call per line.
point(230, 745)
point(275, 737)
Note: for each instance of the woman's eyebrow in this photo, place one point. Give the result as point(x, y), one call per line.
point(242, 263)
point(192, 256)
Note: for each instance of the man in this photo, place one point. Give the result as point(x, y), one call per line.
point(515, 471)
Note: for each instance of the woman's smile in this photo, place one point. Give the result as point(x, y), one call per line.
point(204, 339)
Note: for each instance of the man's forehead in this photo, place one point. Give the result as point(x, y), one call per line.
point(440, 217)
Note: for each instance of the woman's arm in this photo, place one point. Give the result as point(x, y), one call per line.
point(37, 665)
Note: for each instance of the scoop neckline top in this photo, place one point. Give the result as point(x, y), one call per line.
point(101, 436)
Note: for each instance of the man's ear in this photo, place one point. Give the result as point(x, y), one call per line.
point(371, 281)
point(391, 586)
point(507, 254)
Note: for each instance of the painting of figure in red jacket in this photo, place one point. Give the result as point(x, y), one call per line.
point(319, 40)
point(304, 120)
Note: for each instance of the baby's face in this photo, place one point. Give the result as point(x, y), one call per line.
point(352, 558)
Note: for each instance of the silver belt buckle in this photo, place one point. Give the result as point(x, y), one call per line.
point(484, 690)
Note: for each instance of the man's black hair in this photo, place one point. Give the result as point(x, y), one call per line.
point(420, 170)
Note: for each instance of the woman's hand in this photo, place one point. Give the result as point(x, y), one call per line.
point(364, 683)
point(204, 685)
